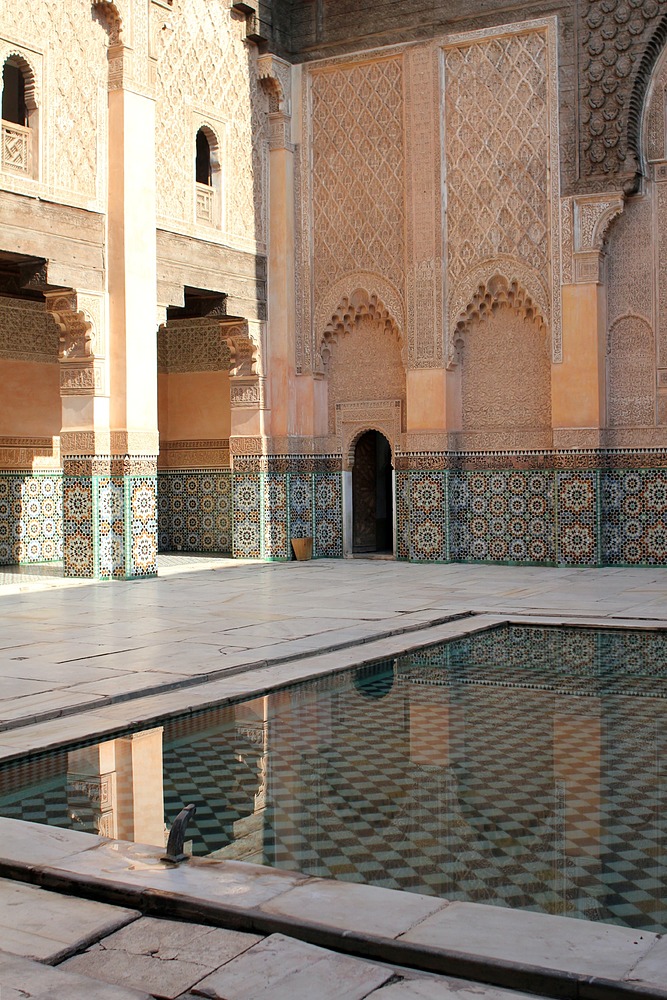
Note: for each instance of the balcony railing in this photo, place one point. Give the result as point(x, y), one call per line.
point(204, 203)
point(16, 145)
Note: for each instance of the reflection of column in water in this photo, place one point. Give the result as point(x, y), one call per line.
point(559, 879)
point(91, 789)
point(139, 778)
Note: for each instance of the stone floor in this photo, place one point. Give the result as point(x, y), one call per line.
point(79, 658)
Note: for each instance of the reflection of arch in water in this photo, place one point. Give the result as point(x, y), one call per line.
point(375, 680)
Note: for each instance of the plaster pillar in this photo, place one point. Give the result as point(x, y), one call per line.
point(578, 382)
point(275, 75)
point(140, 787)
point(109, 436)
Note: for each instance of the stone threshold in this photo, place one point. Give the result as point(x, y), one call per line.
point(548, 956)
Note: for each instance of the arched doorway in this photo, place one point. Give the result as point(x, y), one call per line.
point(372, 495)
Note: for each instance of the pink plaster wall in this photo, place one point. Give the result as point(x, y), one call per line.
point(30, 399)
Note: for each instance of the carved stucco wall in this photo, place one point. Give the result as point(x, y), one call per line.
point(501, 145)
point(365, 365)
point(631, 296)
point(66, 47)
point(506, 378)
point(207, 73)
point(192, 345)
point(352, 180)
point(631, 373)
point(636, 266)
point(27, 332)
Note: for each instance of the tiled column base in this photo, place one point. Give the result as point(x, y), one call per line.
point(110, 517)
point(31, 517)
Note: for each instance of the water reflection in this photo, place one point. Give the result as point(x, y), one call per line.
point(524, 767)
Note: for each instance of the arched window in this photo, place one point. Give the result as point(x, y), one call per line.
point(19, 117)
point(13, 95)
point(203, 162)
point(207, 176)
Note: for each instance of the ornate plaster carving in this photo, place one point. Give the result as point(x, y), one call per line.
point(352, 150)
point(631, 380)
point(27, 332)
point(75, 326)
point(351, 297)
point(424, 290)
point(246, 381)
point(275, 75)
point(501, 148)
point(350, 309)
point(110, 14)
point(202, 61)
point(493, 284)
point(354, 419)
point(193, 345)
point(591, 216)
point(619, 44)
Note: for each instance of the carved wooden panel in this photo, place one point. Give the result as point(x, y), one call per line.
point(364, 493)
point(27, 332)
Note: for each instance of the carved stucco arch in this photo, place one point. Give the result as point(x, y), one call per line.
point(111, 14)
point(488, 286)
point(358, 431)
point(29, 71)
point(356, 295)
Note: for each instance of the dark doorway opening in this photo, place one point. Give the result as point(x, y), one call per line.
point(372, 499)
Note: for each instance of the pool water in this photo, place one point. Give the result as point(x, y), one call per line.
point(520, 766)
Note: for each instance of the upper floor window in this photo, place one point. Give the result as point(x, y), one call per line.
point(19, 118)
point(207, 176)
point(13, 95)
point(203, 161)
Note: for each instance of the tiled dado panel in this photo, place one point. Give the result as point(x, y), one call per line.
point(31, 517)
point(195, 511)
point(572, 517)
point(503, 516)
point(634, 517)
point(110, 526)
point(422, 515)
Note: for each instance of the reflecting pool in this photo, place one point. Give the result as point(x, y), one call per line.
point(520, 766)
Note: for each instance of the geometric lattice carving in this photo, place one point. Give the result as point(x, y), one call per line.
point(202, 62)
point(502, 180)
point(357, 173)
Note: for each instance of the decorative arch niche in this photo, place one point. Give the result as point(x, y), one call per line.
point(502, 352)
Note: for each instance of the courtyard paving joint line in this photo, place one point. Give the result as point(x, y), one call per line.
point(218, 674)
